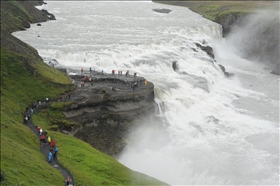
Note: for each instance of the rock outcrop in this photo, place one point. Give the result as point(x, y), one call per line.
point(106, 107)
point(207, 49)
point(162, 10)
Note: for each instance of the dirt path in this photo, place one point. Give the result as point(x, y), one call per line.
point(45, 150)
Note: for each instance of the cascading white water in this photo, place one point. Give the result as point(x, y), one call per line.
point(209, 137)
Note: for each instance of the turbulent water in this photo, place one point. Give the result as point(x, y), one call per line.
point(216, 130)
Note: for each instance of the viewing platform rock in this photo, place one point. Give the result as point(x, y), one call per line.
point(106, 106)
point(115, 85)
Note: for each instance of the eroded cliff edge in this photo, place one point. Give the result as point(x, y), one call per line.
point(106, 115)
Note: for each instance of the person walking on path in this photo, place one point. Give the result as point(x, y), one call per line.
point(49, 139)
point(43, 140)
point(38, 128)
point(51, 149)
point(41, 131)
point(52, 143)
point(55, 153)
point(68, 180)
point(50, 157)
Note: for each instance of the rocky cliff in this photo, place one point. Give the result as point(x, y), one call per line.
point(107, 106)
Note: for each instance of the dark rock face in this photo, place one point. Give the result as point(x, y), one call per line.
point(207, 49)
point(256, 36)
point(228, 24)
point(227, 74)
point(231, 22)
point(175, 66)
point(50, 16)
point(106, 115)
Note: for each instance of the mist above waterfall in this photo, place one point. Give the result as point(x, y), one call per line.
point(257, 38)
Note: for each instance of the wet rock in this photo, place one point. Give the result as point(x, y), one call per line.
point(207, 49)
point(162, 10)
point(227, 74)
point(228, 24)
point(50, 16)
point(175, 66)
point(39, 24)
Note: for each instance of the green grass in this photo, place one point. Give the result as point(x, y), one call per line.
point(25, 78)
point(92, 167)
point(21, 159)
point(13, 15)
point(217, 10)
point(89, 166)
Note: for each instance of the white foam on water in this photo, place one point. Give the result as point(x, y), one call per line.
point(208, 136)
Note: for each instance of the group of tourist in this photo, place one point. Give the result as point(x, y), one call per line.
point(53, 150)
point(132, 85)
point(44, 137)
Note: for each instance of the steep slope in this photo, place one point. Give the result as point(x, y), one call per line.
point(25, 79)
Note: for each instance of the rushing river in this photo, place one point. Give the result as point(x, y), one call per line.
point(217, 130)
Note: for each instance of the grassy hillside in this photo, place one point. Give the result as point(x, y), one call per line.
point(218, 10)
point(21, 160)
point(25, 78)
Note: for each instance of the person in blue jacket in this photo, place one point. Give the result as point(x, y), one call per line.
point(55, 153)
point(50, 157)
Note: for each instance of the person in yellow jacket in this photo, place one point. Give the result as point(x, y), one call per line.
point(49, 139)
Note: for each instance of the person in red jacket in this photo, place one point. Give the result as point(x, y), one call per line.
point(43, 140)
point(52, 143)
point(38, 129)
point(68, 180)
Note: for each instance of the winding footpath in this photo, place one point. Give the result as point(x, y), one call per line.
point(45, 150)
